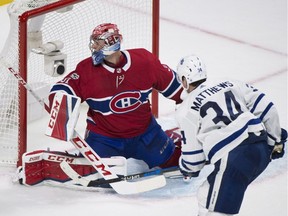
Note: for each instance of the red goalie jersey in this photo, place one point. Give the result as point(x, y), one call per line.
point(118, 96)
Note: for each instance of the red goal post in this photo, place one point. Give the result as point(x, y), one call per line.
point(37, 22)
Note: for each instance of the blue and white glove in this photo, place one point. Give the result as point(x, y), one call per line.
point(98, 57)
point(278, 149)
point(187, 174)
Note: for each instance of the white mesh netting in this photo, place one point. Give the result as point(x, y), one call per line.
point(133, 17)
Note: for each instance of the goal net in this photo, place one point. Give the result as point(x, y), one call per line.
point(34, 23)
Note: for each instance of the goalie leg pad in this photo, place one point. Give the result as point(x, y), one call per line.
point(43, 165)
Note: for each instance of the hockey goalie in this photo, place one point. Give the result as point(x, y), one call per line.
point(41, 165)
point(116, 85)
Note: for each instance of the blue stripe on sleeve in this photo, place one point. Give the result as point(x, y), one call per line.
point(192, 163)
point(193, 152)
point(257, 102)
point(59, 87)
point(173, 87)
point(266, 110)
point(271, 137)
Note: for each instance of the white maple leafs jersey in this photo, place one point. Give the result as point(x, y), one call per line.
point(218, 115)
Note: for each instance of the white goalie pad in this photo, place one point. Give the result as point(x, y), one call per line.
point(64, 115)
point(41, 166)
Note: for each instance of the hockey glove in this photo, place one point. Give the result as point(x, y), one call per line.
point(278, 149)
point(187, 174)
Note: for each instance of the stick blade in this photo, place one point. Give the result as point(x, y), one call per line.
point(127, 188)
point(121, 187)
point(71, 173)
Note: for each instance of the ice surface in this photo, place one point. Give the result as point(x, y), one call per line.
point(244, 40)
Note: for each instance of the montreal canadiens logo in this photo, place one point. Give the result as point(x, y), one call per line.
point(125, 102)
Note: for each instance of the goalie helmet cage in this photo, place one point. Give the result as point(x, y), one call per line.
point(37, 22)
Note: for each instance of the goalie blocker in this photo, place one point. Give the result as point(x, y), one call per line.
point(64, 115)
point(43, 165)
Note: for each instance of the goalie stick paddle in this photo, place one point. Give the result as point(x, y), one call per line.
point(169, 172)
point(121, 187)
point(78, 179)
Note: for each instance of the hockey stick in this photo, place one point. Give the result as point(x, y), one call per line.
point(170, 172)
point(121, 187)
point(78, 179)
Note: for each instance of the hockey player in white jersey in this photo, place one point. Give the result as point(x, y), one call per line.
point(231, 125)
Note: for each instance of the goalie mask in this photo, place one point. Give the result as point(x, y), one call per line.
point(107, 37)
point(192, 68)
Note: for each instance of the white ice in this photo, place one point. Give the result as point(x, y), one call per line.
point(245, 40)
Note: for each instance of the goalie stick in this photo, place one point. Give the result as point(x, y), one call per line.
point(121, 187)
point(169, 172)
point(78, 179)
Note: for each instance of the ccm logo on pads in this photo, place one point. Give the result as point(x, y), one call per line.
point(60, 158)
